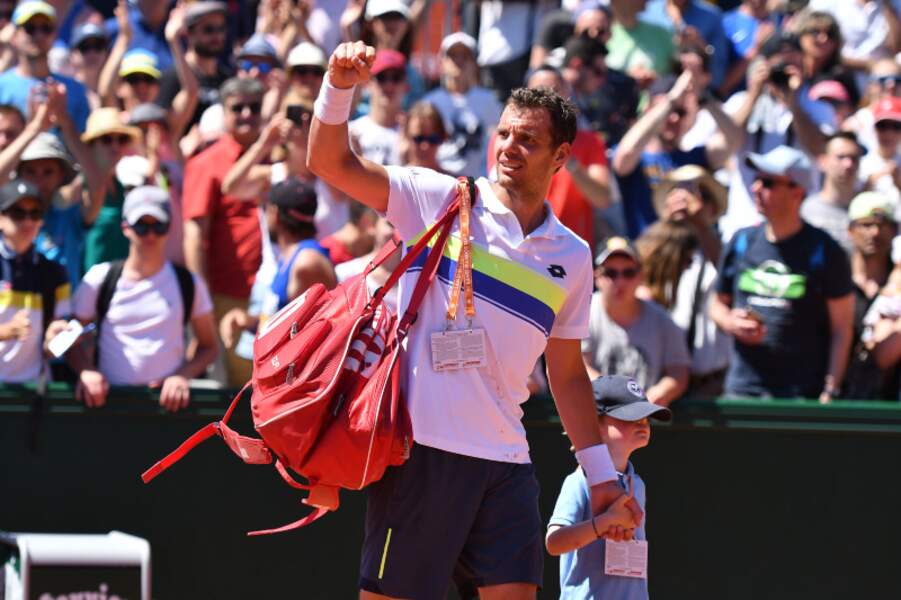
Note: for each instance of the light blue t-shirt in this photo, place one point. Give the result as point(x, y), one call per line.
point(704, 17)
point(14, 90)
point(61, 239)
point(582, 572)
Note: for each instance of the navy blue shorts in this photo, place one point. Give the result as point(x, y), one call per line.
point(441, 517)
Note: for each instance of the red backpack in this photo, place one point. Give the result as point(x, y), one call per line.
point(326, 382)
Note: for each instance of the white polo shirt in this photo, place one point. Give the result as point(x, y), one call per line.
point(526, 290)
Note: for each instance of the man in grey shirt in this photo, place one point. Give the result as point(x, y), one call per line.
point(630, 336)
point(828, 209)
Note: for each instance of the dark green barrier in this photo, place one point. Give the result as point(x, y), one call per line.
point(747, 500)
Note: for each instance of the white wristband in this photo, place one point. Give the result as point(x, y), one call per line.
point(597, 464)
point(332, 106)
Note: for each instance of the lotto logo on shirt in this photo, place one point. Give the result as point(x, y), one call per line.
point(773, 279)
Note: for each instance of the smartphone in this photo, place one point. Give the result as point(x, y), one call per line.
point(298, 114)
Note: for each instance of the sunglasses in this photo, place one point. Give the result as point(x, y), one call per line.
point(118, 140)
point(771, 182)
point(92, 46)
point(213, 30)
point(142, 228)
point(431, 140)
point(262, 66)
point(885, 80)
point(17, 213)
point(31, 29)
point(138, 78)
point(253, 107)
point(888, 126)
point(614, 274)
point(304, 71)
point(828, 31)
point(391, 77)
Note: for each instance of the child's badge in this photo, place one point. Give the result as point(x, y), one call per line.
point(626, 559)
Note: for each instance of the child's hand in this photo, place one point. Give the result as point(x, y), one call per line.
point(619, 514)
point(620, 520)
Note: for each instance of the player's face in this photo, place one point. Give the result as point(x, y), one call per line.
point(628, 434)
point(524, 152)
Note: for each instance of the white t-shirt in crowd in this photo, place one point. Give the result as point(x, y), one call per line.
point(712, 349)
point(527, 289)
point(142, 339)
point(506, 29)
point(331, 212)
point(469, 120)
point(871, 164)
point(772, 120)
point(864, 28)
point(376, 142)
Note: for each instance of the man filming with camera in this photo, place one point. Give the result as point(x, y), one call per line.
point(775, 110)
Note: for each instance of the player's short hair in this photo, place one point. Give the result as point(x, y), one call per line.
point(561, 111)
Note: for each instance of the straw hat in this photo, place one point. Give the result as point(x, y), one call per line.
point(711, 189)
point(105, 121)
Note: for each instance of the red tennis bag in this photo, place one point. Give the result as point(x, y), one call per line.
point(326, 395)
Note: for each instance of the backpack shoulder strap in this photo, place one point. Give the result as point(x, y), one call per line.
point(186, 288)
point(104, 298)
point(107, 289)
point(48, 294)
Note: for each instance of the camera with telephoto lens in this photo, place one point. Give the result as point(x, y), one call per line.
point(779, 75)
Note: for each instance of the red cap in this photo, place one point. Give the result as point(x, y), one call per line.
point(888, 109)
point(386, 59)
point(829, 90)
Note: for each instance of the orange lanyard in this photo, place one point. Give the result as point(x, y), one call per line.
point(463, 273)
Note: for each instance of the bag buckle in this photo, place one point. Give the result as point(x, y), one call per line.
point(289, 378)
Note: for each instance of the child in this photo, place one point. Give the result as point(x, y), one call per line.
point(572, 533)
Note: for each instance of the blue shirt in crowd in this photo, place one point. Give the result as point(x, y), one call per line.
point(707, 19)
point(636, 188)
point(582, 572)
point(152, 40)
point(15, 89)
point(61, 239)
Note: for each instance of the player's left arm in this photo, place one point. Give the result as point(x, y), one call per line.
point(574, 398)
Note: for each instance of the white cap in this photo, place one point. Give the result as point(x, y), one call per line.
point(458, 37)
point(131, 171)
point(307, 54)
point(212, 123)
point(377, 8)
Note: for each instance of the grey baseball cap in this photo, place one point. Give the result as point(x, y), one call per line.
point(47, 145)
point(146, 201)
point(617, 245)
point(87, 31)
point(198, 10)
point(782, 160)
point(16, 190)
point(621, 397)
point(147, 113)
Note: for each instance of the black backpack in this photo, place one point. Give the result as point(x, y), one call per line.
point(108, 288)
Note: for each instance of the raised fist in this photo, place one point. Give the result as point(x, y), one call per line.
point(350, 64)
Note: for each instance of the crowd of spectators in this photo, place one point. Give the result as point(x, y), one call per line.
point(736, 172)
